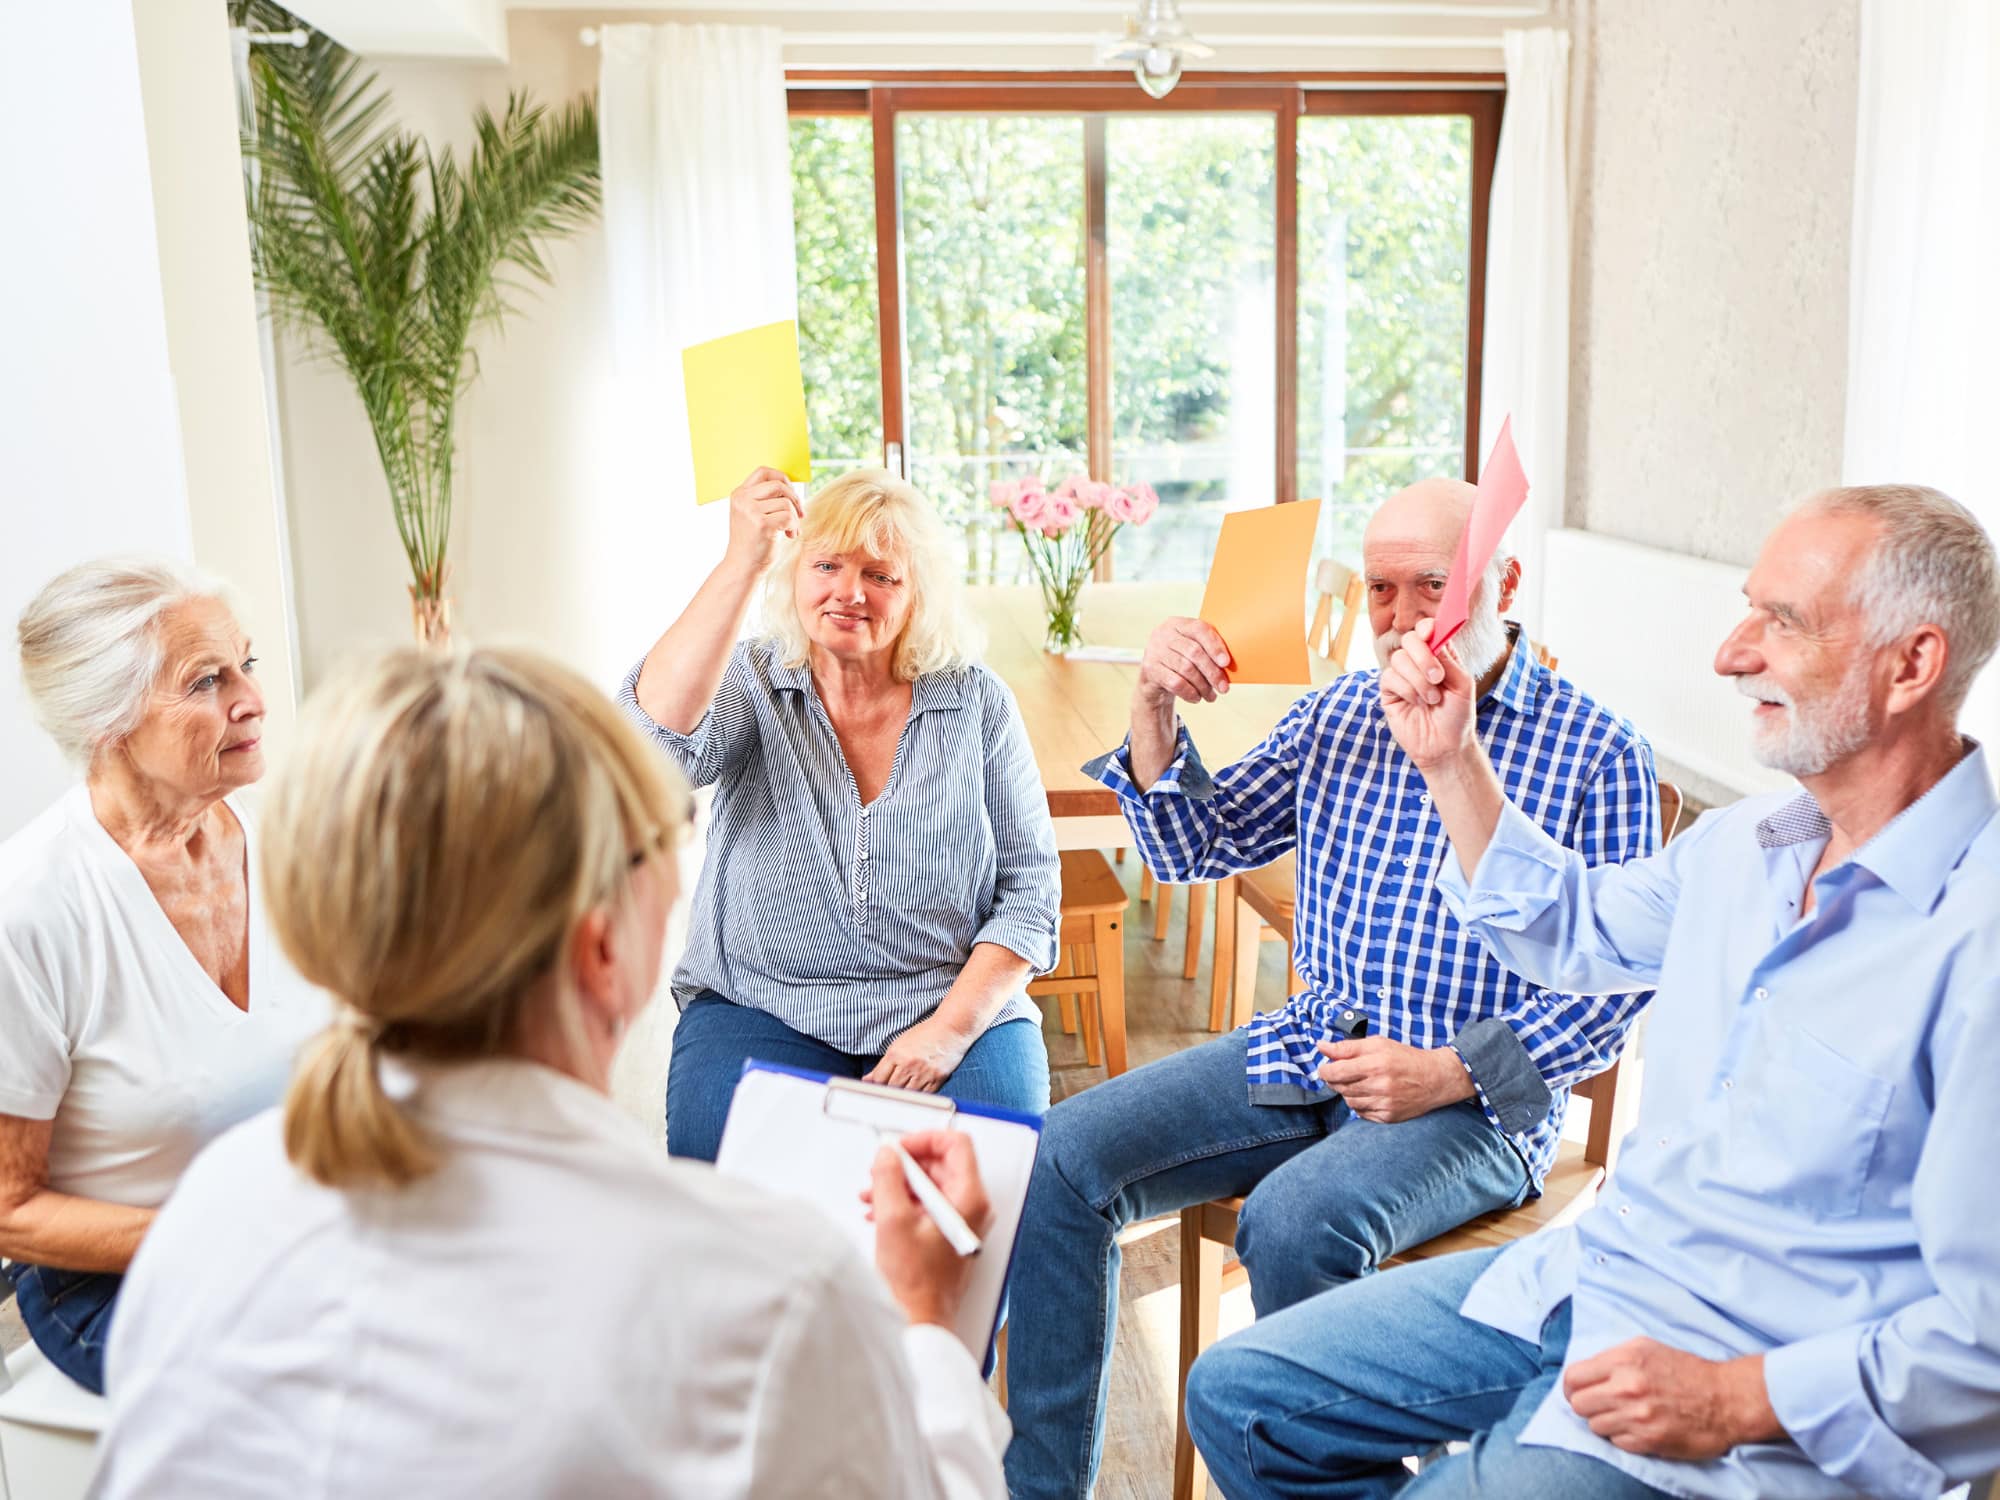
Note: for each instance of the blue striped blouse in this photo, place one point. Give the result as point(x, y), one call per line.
point(849, 923)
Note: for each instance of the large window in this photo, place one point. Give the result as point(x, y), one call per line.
point(1251, 293)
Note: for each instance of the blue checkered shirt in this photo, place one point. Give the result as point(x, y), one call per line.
point(1370, 930)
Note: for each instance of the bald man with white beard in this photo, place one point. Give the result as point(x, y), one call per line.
point(1348, 1151)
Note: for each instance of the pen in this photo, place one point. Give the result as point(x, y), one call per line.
point(947, 1218)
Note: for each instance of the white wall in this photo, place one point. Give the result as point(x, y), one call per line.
point(90, 456)
point(188, 83)
point(131, 408)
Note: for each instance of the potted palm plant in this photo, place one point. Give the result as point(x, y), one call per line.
point(388, 255)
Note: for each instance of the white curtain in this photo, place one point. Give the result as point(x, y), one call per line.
point(698, 239)
point(698, 236)
point(1923, 383)
point(1526, 368)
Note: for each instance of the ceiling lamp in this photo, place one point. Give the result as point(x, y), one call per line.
point(1155, 44)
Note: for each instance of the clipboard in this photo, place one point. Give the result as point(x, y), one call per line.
point(798, 1134)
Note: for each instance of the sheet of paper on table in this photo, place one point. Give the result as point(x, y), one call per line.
point(1503, 489)
point(746, 406)
point(1256, 591)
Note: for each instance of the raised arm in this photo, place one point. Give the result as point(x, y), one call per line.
point(678, 678)
point(1185, 660)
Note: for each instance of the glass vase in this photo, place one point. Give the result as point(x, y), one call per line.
point(1065, 626)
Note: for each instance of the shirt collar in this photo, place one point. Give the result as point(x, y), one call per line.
point(930, 690)
point(1520, 685)
point(505, 1094)
point(1915, 853)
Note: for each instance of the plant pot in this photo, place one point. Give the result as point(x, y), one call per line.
point(431, 618)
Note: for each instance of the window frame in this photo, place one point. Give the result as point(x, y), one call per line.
point(1098, 95)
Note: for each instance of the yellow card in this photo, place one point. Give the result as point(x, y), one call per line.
point(746, 407)
point(1256, 591)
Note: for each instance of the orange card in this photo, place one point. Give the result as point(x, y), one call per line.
point(1256, 591)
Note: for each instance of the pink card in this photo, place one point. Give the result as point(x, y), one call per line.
point(1503, 489)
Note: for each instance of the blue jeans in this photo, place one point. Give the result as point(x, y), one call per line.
point(1008, 1066)
point(1330, 1197)
point(1327, 1398)
point(68, 1315)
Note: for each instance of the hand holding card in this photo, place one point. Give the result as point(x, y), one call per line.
point(1503, 489)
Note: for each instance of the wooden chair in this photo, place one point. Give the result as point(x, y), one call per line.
point(1331, 580)
point(1208, 1230)
point(1089, 978)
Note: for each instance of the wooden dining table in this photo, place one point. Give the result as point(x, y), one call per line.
point(1075, 710)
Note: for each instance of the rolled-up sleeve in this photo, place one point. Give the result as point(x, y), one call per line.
point(726, 733)
point(1027, 879)
point(1904, 1405)
point(1189, 826)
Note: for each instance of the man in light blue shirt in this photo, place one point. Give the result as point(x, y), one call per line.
point(1791, 1285)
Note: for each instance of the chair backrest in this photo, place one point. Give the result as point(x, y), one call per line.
point(1334, 580)
point(1544, 655)
point(1671, 803)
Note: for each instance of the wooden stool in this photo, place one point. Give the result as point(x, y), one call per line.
point(1090, 959)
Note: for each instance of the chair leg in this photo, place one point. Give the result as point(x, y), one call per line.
point(1201, 1314)
point(1249, 933)
point(1145, 882)
point(1111, 988)
point(1294, 983)
point(1223, 968)
point(1118, 856)
point(1066, 1004)
point(1197, 914)
point(1093, 1047)
point(1163, 908)
point(1000, 1366)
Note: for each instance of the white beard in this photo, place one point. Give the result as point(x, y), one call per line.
point(1479, 645)
point(1813, 735)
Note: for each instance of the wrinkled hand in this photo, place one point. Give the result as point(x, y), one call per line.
point(1647, 1398)
point(1427, 699)
point(925, 1275)
point(1184, 659)
point(762, 508)
point(922, 1057)
point(1389, 1082)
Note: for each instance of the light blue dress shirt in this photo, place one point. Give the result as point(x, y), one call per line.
point(1815, 1173)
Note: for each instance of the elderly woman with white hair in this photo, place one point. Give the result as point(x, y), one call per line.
point(143, 1006)
point(881, 878)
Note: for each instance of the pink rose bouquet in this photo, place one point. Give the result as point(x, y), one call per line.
point(1066, 530)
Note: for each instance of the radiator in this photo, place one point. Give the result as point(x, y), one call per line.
point(1637, 628)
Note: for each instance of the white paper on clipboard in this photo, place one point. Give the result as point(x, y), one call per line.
point(801, 1135)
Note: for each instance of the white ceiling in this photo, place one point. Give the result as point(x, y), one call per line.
point(1442, 36)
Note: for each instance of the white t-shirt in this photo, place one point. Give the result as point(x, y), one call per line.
point(560, 1310)
point(111, 1028)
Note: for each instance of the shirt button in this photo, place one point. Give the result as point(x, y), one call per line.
point(1663, 1140)
point(1381, 994)
point(1762, 993)
point(1624, 1209)
point(1424, 800)
point(1600, 1260)
point(1729, 1083)
point(1409, 864)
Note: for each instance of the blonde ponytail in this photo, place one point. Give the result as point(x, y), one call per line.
point(428, 851)
point(341, 1127)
